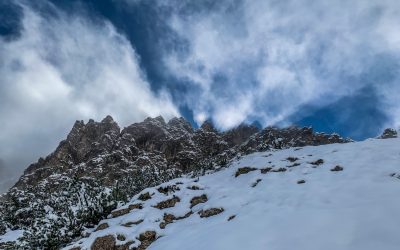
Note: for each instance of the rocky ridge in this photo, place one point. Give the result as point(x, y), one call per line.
point(99, 166)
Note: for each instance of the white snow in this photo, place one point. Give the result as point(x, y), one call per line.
point(11, 236)
point(357, 208)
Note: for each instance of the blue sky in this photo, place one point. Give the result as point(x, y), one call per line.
point(332, 65)
point(358, 114)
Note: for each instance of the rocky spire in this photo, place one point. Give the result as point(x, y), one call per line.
point(159, 119)
point(208, 126)
point(108, 119)
point(180, 123)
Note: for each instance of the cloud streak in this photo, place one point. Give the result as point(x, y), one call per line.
point(266, 60)
point(62, 68)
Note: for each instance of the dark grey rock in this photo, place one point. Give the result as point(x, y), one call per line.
point(388, 133)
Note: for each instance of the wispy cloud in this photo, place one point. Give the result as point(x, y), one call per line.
point(266, 60)
point(64, 68)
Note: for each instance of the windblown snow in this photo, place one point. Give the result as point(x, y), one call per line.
point(337, 196)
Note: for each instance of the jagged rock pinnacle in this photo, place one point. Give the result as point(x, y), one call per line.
point(208, 126)
point(108, 119)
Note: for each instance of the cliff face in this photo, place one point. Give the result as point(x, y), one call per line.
point(99, 165)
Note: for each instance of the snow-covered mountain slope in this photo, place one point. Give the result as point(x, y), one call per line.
point(337, 196)
point(99, 165)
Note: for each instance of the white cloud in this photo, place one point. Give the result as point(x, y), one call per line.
point(276, 56)
point(65, 68)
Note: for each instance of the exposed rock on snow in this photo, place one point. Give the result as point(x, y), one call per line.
point(104, 243)
point(292, 159)
point(388, 133)
point(168, 189)
point(146, 239)
point(301, 182)
point(244, 170)
point(317, 162)
point(131, 223)
point(337, 168)
point(210, 212)
point(231, 217)
point(265, 170)
point(279, 170)
point(256, 183)
point(170, 218)
point(145, 196)
point(197, 200)
point(168, 203)
point(102, 226)
point(194, 187)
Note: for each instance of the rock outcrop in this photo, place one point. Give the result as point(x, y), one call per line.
point(388, 133)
